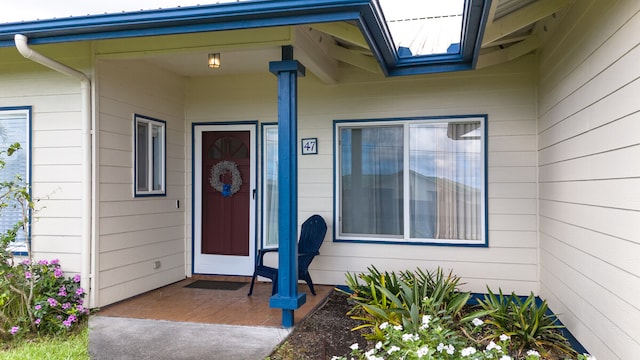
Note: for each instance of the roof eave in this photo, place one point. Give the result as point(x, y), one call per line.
point(248, 15)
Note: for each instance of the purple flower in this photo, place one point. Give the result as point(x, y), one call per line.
point(80, 301)
point(57, 272)
point(27, 275)
point(55, 261)
point(62, 291)
point(76, 278)
point(43, 262)
point(38, 307)
point(59, 317)
point(65, 306)
point(14, 330)
point(38, 321)
point(66, 323)
point(72, 318)
point(80, 291)
point(26, 262)
point(52, 301)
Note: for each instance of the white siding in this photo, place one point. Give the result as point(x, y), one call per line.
point(505, 94)
point(56, 149)
point(133, 233)
point(589, 146)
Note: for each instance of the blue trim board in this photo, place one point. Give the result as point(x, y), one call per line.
point(262, 13)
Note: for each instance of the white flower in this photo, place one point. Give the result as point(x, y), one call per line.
point(467, 351)
point(477, 322)
point(398, 327)
point(533, 353)
point(354, 346)
point(504, 337)
point(422, 351)
point(450, 349)
point(383, 325)
point(410, 337)
point(378, 345)
point(336, 358)
point(506, 357)
point(393, 349)
point(493, 345)
point(589, 357)
point(425, 321)
point(369, 353)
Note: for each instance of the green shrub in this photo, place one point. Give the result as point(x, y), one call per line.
point(529, 325)
point(35, 297)
point(403, 299)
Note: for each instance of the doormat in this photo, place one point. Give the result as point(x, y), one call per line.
point(216, 285)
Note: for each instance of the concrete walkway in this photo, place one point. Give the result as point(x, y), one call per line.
point(126, 338)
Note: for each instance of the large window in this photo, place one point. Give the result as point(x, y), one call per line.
point(411, 181)
point(150, 159)
point(270, 185)
point(15, 127)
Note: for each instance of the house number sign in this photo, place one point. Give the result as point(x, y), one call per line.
point(309, 146)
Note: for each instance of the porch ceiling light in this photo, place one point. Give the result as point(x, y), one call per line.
point(214, 60)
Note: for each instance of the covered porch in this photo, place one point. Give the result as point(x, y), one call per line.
point(177, 302)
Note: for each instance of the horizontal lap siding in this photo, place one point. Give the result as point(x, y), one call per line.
point(590, 175)
point(56, 146)
point(135, 232)
point(506, 94)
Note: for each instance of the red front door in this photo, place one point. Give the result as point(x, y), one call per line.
point(226, 192)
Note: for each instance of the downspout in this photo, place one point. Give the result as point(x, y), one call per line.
point(23, 48)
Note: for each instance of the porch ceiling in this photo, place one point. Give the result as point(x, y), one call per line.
point(515, 28)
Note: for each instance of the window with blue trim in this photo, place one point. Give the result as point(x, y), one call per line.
point(270, 186)
point(150, 159)
point(15, 126)
point(419, 180)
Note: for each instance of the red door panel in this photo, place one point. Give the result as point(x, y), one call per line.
point(225, 219)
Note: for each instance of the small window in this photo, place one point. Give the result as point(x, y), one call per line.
point(150, 159)
point(270, 186)
point(411, 181)
point(15, 127)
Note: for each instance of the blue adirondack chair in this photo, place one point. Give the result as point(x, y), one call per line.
point(311, 237)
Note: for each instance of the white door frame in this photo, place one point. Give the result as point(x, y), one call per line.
point(222, 264)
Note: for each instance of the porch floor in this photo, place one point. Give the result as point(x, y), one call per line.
point(175, 302)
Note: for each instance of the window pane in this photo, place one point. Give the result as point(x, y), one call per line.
point(157, 155)
point(372, 180)
point(142, 157)
point(270, 186)
point(14, 129)
point(445, 166)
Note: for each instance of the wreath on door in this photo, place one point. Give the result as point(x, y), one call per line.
point(221, 168)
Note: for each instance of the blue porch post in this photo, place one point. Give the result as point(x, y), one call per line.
point(287, 297)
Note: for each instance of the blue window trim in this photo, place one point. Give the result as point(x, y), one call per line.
point(136, 193)
point(28, 179)
point(485, 148)
point(257, 14)
point(193, 191)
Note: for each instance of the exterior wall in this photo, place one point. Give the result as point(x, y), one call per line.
point(135, 232)
point(506, 94)
point(56, 146)
point(589, 146)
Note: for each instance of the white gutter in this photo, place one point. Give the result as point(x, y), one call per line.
point(23, 48)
